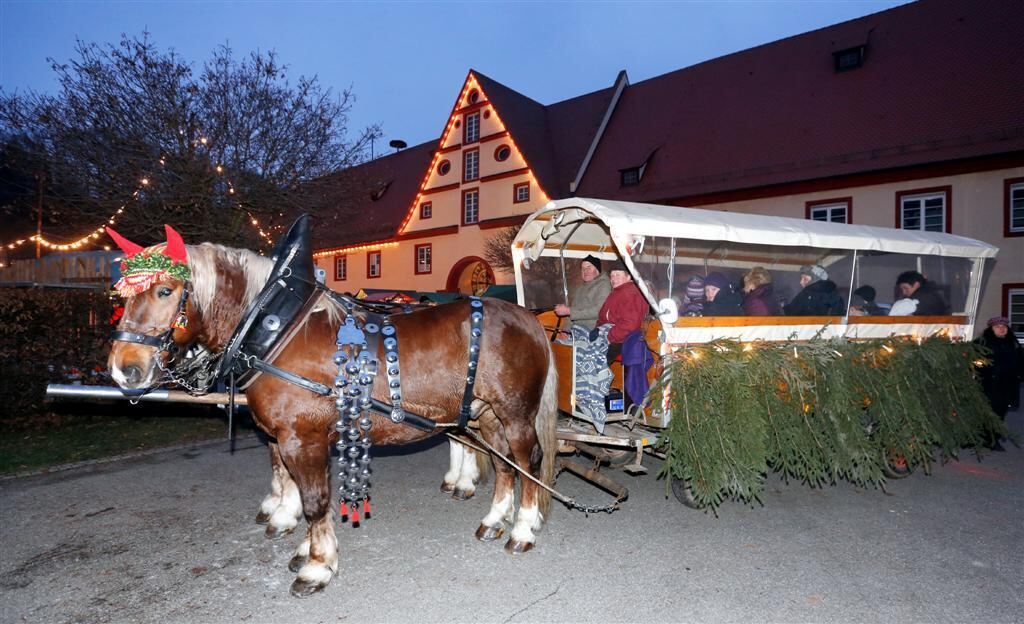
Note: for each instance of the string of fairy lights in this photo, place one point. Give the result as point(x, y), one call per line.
point(95, 234)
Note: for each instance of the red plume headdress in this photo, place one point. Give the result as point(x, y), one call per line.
point(141, 268)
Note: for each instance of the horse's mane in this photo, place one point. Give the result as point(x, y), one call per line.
point(204, 260)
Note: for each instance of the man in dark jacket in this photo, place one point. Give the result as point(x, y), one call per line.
point(819, 296)
point(721, 298)
point(930, 301)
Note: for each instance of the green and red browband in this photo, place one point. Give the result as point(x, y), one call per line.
point(144, 267)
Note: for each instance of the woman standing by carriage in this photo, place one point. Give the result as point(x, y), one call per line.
point(1001, 378)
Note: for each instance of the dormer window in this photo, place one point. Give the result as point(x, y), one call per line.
point(850, 58)
point(631, 176)
point(380, 190)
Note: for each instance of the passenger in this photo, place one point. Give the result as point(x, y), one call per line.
point(1001, 378)
point(758, 299)
point(694, 305)
point(819, 296)
point(589, 296)
point(862, 303)
point(625, 309)
point(930, 301)
point(722, 299)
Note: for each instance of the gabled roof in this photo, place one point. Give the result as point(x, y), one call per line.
point(351, 215)
point(941, 80)
point(553, 138)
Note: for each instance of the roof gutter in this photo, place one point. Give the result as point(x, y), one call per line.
point(621, 82)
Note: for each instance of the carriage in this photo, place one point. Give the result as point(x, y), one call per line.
point(664, 246)
point(321, 369)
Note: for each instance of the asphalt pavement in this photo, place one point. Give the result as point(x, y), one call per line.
point(169, 537)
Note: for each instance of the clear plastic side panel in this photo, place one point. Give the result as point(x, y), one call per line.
point(773, 271)
point(542, 282)
point(949, 277)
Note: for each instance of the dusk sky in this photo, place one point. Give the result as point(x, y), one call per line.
point(406, 61)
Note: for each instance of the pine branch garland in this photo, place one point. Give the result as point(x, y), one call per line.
point(817, 411)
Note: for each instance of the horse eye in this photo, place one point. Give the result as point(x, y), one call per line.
point(164, 292)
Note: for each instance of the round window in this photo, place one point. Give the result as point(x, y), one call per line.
point(502, 153)
point(487, 114)
point(444, 167)
point(474, 96)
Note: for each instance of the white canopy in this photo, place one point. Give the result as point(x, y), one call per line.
point(627, 220)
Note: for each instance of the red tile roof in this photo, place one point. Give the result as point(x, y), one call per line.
point(349, 213)
point(553, 138)
point(941, 80)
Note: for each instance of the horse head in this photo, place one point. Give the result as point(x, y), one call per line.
point(160, 317)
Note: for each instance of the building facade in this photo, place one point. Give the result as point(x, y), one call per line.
point(909, 118)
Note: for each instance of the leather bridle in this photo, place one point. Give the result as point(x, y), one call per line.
point(164, 341)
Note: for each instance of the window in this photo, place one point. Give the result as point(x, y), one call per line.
point(474, 96)
point(926, 210)
point(426, 210)
point(423, 258)
point(502, 153)
point(373, 264)
point(471, 131)
point(521, 193)
point(833, 210)
point(340, 268)
point(850, 58)
point(470, 165)
point(1014, 219)
point(444, 167)
point(1013, 303)
point(629, 177)
point(470, 207)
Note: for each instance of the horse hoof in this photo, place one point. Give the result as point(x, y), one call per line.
point(447, 488)
point(262, 517)
point(276, 534)
point(488, 534)
point(296, 563)
point(515, 547)
point(304, 589)
point(461, 494)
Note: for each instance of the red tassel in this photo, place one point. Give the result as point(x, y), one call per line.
point(366, 508)
point(343, 510)
point(355, 515)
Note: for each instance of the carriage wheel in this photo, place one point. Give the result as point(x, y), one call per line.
point(895, 466)
point(681, 490)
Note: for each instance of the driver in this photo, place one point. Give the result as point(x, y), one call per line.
point(588, 298)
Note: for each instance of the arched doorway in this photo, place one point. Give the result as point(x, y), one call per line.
point(470, 276)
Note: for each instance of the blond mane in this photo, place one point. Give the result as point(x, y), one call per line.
point(203, 260)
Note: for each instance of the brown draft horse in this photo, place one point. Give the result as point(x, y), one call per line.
point(514, 396)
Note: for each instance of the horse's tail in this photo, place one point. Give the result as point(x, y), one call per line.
point(546, 424)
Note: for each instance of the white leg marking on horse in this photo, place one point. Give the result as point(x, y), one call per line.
point(455, 459)
point(288, 512)
point(527, 521)
point(273, 500)
point(470, 473)
point(303, 549)
point(501, 511)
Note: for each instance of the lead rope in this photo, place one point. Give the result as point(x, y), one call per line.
point(568, 501)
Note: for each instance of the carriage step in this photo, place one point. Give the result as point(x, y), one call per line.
point(635, 469)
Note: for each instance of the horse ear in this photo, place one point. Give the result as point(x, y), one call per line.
point(128, 247)
point(175, 245)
